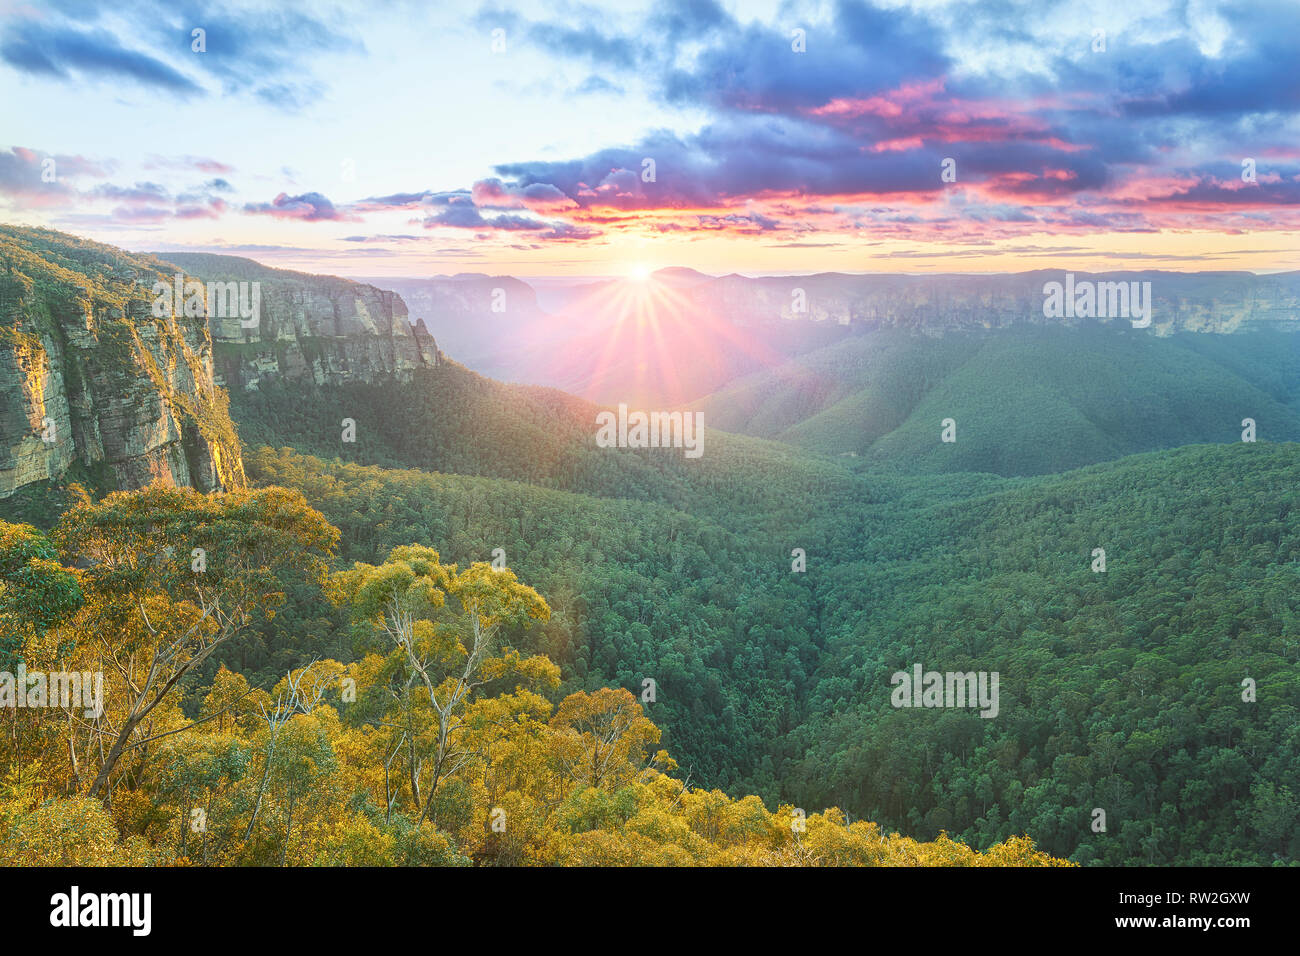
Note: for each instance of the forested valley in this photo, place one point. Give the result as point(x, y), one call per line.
point(1122, 690)
point(429, 621)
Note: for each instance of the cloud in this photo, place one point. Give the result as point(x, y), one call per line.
point(1053, 136)
point(412, 200)
point(24, 173)
point(385, 238)
point(307, 207)
point(579, 35)
point(568, 232)
point(537, 196)
point(465, 210)
point(200, 164)
point(847, 136)
point(593, 85)
point(267, 53)
point(465, 215)
point(139, 193)
point(1210, 192)
point(42, 179)
point(60, 52)
point(750, 223)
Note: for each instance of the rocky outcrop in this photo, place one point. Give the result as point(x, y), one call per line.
point(94, 373)
point(317, 328)
point(89, 375)
point(33, 410)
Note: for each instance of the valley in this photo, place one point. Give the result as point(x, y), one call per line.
point(1119, 689)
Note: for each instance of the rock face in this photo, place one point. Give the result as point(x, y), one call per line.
point(319, 328)
point(89, 376)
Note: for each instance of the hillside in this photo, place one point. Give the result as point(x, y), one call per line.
point(1121, 690)
point(1118, 689)
point(449, 419)
point(1028, 401)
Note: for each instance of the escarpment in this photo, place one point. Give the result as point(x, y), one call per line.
point(104, 377)
point(319, 328)
point(90, 377)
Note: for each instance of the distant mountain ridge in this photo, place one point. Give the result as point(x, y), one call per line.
point(681, 335)
point(1193, 302)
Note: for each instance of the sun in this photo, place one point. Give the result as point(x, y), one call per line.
point(639, 273)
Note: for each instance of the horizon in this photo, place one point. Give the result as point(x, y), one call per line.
point(372, 279)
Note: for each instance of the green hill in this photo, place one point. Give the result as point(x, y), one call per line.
point(1120, 690)
point(452, 420)
point(1028, 401)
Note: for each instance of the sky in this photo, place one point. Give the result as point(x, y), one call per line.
point(571, 139)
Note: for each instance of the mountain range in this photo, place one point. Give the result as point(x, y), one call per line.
point(680, 335)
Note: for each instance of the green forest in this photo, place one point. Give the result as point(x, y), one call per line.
point(730, 623)
point(1122, 690)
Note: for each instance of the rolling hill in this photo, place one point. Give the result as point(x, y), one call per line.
point(1028, 401)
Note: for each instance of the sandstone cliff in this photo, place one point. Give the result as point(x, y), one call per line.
point(322, 328)
point(89, 377)
point(93, 381)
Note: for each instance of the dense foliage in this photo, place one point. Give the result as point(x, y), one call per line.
point(1120, 690)
point(439, 745)
point(777, 683)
